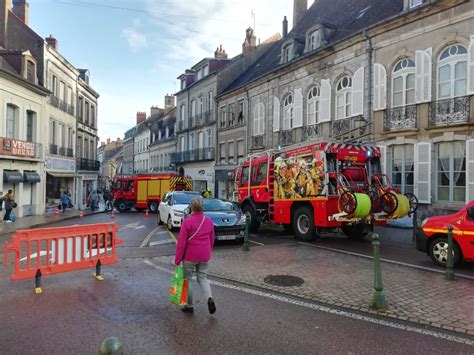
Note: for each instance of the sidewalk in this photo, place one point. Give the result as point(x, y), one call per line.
point(346, 281)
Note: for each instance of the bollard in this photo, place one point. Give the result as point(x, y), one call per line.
point(245, 246)
point(98, 268)
point(379, 295)
point(111, 346)
point(415, 226)
point(38, 288)
point(450, 262)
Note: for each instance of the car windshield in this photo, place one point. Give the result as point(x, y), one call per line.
point(210, 205)
point(184, 199)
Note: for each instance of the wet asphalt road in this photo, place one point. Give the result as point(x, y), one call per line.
point(75, 312)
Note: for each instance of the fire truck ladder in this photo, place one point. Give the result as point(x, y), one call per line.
point(271, 187)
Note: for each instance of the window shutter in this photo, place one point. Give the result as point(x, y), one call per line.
point(256, 122)
point(325, 101)
point(422, 172)
point(423, 75)
point(358, 92)
point(469, 170)
point(276, 114)
point(380, 87)
point(470, 67)
point(262, 120)
point(298, 112)
point(383, 158)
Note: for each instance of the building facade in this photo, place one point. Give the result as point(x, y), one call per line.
point(163, 143)
point(127, 167)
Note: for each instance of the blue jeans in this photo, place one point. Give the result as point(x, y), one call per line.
point(201, 274)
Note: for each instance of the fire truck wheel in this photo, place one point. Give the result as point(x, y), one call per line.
point(354, 231)
point(121, 206)
point(303, 224)
point(250, 213)
point(153, 206)
point(413, 202)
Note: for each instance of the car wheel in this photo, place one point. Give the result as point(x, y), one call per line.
point(303, 224)
point(121, 206)
point(153, 206)
point(439, 251)
point(169, 224)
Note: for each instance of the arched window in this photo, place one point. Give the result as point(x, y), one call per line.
point(452, 72)
point(403, 83)
point(344, 98)
point(288, 112)
point(259, 120)
point(313, 106)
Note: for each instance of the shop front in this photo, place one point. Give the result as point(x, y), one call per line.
point(201, 174)
point(224, 184)
point(60, 174)
point(86, 183)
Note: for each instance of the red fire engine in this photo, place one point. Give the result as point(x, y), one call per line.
point(320, 187)
point(145, 191)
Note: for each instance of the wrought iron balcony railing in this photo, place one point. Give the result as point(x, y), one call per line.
point(286, 137)
point(62, 105)
point(69, 152)
point(88, 164)
point(257, 142)
point(311, 132)
point(53, 149)
point(62, 151)
point(400, 118)
point(201, 154)
point(354, 129)
point(450, 111)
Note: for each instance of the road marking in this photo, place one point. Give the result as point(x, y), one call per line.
point(134, 226)
point(148, 237)
point(161, 242)
point(252, 241)
point(325, 309)
point(172, 235)
point(401, 263)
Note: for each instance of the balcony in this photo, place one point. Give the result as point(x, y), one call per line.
point(53, 149)
point(311, 132)
point(88, 165)
point(286, 137)
point(69, 152)
point(354, 129)
point(23, 149)
point(450, 112)
point(400, 118)
point(201, 154)
point(257, 142)
point(62, 105)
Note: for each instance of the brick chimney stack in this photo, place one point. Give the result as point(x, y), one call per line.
point(220, 53)
point(141, 116)
point(299, 9)
point(52, 42)
point(20, 9)
point(155, 110)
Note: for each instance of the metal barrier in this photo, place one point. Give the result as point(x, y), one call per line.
point(49, 251)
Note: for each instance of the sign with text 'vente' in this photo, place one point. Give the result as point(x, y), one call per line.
point(9, 146)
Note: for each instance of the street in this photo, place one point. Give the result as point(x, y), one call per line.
point(75, 312)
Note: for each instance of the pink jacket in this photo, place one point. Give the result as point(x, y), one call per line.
point(198, 249)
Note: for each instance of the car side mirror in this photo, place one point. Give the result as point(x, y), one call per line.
point(470, 213)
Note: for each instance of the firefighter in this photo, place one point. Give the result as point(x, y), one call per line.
point(207, 193)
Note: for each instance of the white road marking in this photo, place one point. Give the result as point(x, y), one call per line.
point(347, 314)
point(149, 235)
point(134, 226)
point(401, 263)
point(161, 242)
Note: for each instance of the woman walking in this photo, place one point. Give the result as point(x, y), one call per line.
point(195, 242)
point(9, 205)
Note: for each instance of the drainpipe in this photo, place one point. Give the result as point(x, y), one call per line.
point(370, 50)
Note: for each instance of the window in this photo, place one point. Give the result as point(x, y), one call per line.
point(62, 91)
point(199, 74)
point(201, 140)
point(313, 106)
point(209, 138)
point(201, 105)
point(262, 172)
point(182, 113)
point(241, 114)
point(287, 53)
point(231, 115)
point(12, 118)
point(63, 136)
point(71, 96)
point(403, 83)
point(259, 120)
point(288, 112)
point(191, 141)
point(343, 98)
point(210, 102)
point(80, 108)
point(451, 172)
point(223, 115)
point(452, 72)
point(92, 115)
point(222, 155)
point(245, 175)
point(240, 149)
point(231, 151)
point(415, 3)
point(402, 167)
point(87, 112)
point(30, 71)
point(193, 108)
point(80, 152)
point(54, 85)
point(181, 143)
point(30, 126)
point(314, 40)
point(205, 70)
point(70, 138)
point(183, 84)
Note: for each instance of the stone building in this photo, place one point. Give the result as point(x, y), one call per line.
point(127, 167)
point(106, 155)
point(397, 73)
point(163, 142)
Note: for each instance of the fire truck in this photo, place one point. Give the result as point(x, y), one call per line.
point(145, 191)
point(320, 187)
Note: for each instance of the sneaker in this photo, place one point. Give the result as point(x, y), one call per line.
point(187, 309)
point(8, 221)
point(211, 305)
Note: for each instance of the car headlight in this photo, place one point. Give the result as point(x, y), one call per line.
point(242, 220)
point(424, 222)
point(178, 214)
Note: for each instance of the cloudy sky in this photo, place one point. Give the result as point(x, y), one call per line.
point(135, 49)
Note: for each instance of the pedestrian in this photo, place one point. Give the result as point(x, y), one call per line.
point(10, 204)
point(207, 193)
point(65, 201)
point(110, 199)
point(94, 200)
point(195, 243)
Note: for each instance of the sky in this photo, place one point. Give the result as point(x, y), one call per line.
point(136, 49)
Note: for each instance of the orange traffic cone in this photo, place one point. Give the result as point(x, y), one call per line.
point(147, 213)
point(81, 214)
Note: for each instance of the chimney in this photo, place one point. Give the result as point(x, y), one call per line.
point(108, 140)
point(52, 42)
point(155, 110)
point(299, 8)
point(20, 9)
point(102, 144)
point(141, 116)
point(250, 42)
point(169, 102)
point(284, 31)
point(5, 6)
point(220, 53)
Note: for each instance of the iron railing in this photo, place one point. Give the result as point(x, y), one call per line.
point(62, 105)
point(354, 129)
point(286, 137)
point(400, 118)
point(450, 111)
point(69, 152)
point(201, 154)
point(88, 164)
point(53, 149)
point(62, 151)
point(257, 142)
point(311, 132)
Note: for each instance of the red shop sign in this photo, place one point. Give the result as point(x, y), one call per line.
point(15, 147)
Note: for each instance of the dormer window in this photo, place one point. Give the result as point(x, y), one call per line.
point(314, 40)
point(30, 71)
point(288, 53)
point(205, 70)
point(199, 74)
point(183, 84)
point(415, 3)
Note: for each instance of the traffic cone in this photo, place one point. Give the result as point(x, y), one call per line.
point(147, 213)
point(81, 214)
point(113, 214)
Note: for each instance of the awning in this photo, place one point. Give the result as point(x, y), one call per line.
point(61, 175)
point(12, 176)
point(31, 176)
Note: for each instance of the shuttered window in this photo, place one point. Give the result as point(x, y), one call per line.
point(344, 98)
point(403, 167)
point(312, 108)
point(451, 171)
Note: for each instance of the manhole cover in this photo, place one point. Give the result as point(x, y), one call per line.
point(283, 280)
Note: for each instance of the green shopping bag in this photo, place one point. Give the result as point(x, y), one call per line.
point(179, 288)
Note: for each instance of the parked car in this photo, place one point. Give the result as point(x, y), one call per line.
point(228, 218)
point(431, 237)
point(170, 210)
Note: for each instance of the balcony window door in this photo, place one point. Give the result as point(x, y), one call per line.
point(452, 72)
point(30, 126)
point(451, 172)
point(201, 105)
point(209, 138)
point(62, 91)
point(12, 119)
point(87, 112)
point(201, 140)
point(223, 115)
point(80, 107)
point(403, 83)
point(193, 108)
point(313, 106)
point(259, 120)
point(80, 152)
point(402, 167)
point(54, 85)
point(86, 148)
point(182, 144)
point(344, 98)
point(210, 102)
point(288, 110)
point(191, 141)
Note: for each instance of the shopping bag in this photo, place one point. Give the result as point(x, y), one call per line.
point(179, 288)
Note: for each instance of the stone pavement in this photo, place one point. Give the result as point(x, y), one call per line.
point(346, 281)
